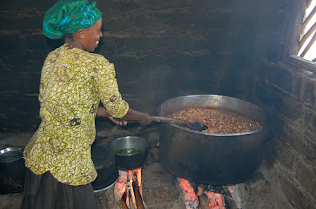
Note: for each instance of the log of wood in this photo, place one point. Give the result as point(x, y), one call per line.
point(203, 202)
point(121, 203)
point(138, 197)
point(201, 189)
point(131, 204)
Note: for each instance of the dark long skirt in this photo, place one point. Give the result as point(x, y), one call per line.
point(45, 192)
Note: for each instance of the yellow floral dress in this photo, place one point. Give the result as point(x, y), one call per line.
point(73, 82)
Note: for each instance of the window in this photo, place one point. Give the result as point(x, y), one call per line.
point(307, 45)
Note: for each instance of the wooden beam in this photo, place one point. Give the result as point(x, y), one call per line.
point(300, 63)
point(307, 35)
point(309, 18)
point(309, 46)
point(294, 29)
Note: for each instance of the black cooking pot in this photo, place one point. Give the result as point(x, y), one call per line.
point(12, 170)
point(104, 162)
point(130, 152)
point(208, 158)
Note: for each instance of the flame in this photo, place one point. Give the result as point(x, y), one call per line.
point(124, 184)
point(125, 181)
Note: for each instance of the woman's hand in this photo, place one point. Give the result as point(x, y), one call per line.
point(120, 123)
point(145, 119)
point(142, 118)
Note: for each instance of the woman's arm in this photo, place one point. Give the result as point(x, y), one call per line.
point(103, 113)
point(142, 118)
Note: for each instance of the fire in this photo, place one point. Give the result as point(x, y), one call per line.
point(127, 184)
point(192, 201)
point(128, 192)
point(216, 200)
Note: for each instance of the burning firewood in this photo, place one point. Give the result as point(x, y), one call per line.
point(216, 200)
point(203, 202)
point(131, 204)
point(138, 197)
point(121, 203)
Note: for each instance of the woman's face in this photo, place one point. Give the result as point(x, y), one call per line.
point(92, 36)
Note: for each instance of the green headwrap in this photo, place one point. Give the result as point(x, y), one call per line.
point(68, 16)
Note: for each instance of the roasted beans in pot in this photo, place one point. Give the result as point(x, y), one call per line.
point(217, 120)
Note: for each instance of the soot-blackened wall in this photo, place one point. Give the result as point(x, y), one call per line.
point(161, 49)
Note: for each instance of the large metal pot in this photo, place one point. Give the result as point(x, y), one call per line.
point(129, 161)
point(12, 170)
point(208, 158)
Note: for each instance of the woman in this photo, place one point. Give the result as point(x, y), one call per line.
point(73, 81)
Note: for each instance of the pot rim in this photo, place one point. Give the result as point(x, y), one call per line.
point(9, 149)
point(220, 135)
point(105, 188)
point(147, 145)
point(265, 126)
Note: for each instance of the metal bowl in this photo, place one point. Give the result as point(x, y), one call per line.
point(12, 170)
point(129, 161)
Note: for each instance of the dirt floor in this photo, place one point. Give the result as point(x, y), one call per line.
point(11, 201)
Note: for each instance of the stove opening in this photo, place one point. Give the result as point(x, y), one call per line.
point(128, 190)
point(200, 197)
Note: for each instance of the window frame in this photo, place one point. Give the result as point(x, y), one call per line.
point(292, 42)
point(307, 35)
